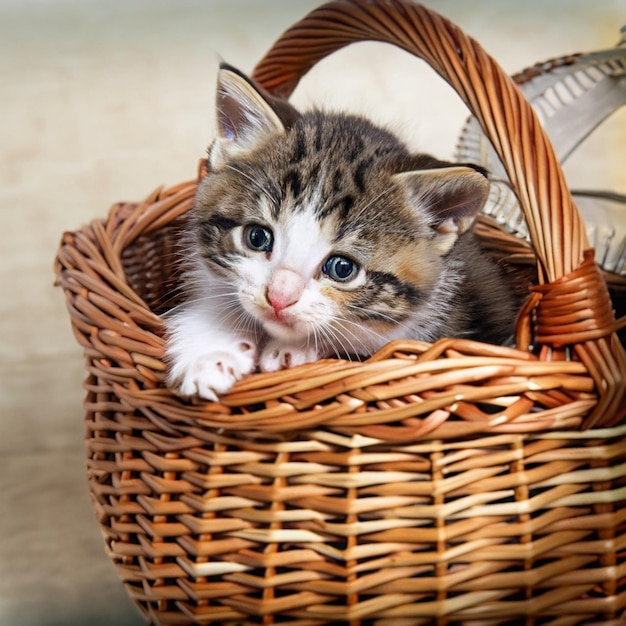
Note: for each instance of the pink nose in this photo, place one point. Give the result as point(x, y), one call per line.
point(284, 289)
point(280, 301)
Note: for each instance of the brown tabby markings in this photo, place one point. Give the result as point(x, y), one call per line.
point(343, 165)
point(324, 187)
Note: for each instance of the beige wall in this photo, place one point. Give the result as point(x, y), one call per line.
point(103, 100)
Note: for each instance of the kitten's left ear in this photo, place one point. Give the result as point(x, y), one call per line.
point(449, 198)
point(244, 117)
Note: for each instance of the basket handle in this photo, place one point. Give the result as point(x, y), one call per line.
point(556, 229)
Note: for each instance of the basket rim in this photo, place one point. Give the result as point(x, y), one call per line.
point(125, 334)
point(555, 226)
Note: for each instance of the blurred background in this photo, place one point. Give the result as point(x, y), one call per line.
point(104, 100)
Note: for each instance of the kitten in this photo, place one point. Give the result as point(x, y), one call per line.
point(319, 235)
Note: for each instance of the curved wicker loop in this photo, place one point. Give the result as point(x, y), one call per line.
point(557, 232)
point(555, 226)
point(435, 483)
point(114, 279)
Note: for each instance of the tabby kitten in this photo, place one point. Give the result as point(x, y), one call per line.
point(320, 235)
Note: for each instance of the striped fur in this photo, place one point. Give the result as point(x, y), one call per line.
point(326, 186)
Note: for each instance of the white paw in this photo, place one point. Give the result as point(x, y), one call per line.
point(213, 373)
point(277, 356)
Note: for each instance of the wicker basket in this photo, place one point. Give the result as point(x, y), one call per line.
point(453, 483)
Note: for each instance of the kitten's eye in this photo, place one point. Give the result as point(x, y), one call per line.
point(340, 269)
point(258, 238)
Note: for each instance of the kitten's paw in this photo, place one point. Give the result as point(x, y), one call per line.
point(277, 356)
point(213, 373)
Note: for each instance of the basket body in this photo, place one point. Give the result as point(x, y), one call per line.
point(450, 484)
point(374, 493)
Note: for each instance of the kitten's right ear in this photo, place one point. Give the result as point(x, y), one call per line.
point(244, 117)
point(449, 198)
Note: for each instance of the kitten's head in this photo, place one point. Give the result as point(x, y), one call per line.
point(326, 226)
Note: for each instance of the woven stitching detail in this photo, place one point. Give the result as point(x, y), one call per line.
point(575, 308)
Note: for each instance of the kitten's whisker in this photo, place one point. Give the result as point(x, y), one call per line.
point(216, 296)
point(375, 314)
point(369, 204)
point(313, 332)
point(450, 208)
point(372, 334)
point(342, 336)
point(163, 302)
point(206, 298)
point(255, 183)
point(245, 323)
point(348, 335)
point(331, 339)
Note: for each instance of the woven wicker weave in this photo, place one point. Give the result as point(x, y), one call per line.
point(454, 483)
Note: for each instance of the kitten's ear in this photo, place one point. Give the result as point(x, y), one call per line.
point(244, 117)
point(448, 197)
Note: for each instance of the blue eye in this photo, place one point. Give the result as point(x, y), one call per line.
point(340, 269)
point(258, 238)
